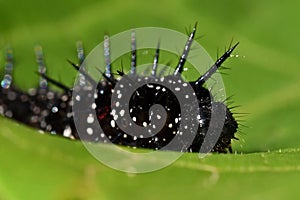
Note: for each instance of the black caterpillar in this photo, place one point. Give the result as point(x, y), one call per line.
point(51, 111)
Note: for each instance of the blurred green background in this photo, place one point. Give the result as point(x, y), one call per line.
point(264, 80)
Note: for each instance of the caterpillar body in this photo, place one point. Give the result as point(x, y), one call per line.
point(51, 111)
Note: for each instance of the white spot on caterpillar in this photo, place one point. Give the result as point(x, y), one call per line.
point(89, 131)
point(90, 119)
point(77, 97)
point(116, 117)
point(1, 110)
point(12, 96)
point(122, 112)
point(150, 86)
point(8, 114)
point(113, 123)
point(177, 89)
point(54, 109)
point(67, 132)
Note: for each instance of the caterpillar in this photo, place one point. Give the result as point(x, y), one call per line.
point(52, 111)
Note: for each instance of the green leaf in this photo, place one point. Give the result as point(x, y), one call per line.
point(36, 166)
